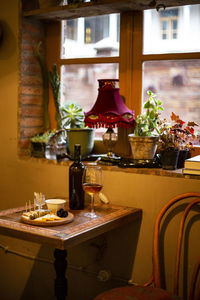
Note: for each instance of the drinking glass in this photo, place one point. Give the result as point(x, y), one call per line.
point(39, 200)
point(92, 184)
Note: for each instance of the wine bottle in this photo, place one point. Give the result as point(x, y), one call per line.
point(76, 193)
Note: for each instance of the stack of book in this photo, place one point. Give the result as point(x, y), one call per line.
point(192, 166)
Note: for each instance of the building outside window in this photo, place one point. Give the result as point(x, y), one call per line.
point(70, 29)
point(169, 23)
point(96, 29)
point(90, 37)
point(175, 81)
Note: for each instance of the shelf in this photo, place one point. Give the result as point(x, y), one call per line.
point(138, 171)
point(100, 7)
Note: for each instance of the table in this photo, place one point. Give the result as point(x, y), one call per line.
point(63, 236)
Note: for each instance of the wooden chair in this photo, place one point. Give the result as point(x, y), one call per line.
point(154, 289)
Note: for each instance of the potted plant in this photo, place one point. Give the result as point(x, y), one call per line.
point(185, 135)
point(73, 121)
point(146, 133)
point(48, 138)
point(55, 85)
point(168, 145)
point(39, 142)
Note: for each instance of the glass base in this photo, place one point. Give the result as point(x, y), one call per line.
point(91, 215)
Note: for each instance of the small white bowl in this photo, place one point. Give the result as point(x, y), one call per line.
point(55, 204)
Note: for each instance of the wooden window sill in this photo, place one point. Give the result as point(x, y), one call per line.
point(142, 171)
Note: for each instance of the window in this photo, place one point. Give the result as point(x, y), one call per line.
point(174, 78)
point(79, 82)
point(176, 82)
point(96, 29)
point(91, 37)
point(174, 30)
point(70, 29)
point(90, 51)
point(158, 51)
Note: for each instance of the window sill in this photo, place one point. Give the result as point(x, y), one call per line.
point(142, 171)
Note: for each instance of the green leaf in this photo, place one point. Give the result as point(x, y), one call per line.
point(152, 114)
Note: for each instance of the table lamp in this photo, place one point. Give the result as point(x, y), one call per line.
point(109, 111)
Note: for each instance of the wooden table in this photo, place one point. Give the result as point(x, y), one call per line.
point(63, 236)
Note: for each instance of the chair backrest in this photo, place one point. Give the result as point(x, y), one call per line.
point(191, 199)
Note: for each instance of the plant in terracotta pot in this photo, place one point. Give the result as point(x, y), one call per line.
point(73, 122)
point(146, 132)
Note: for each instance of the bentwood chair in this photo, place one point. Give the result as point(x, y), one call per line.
point(155, 288)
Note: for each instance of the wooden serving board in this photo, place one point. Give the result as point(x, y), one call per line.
point(66, 220)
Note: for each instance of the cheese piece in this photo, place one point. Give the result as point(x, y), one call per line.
point(33, 214)
point(48, 217)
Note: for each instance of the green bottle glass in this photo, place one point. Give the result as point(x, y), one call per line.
point(76, 193)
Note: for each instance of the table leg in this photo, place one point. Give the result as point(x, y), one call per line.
point(60, 265)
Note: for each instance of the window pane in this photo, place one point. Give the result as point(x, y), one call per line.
point(80, 85)
point(91, 37)
point(96, 29)
point(174, 24)
point(176, 84)
point(182, 35)
point(164, 25)
point(170, 12)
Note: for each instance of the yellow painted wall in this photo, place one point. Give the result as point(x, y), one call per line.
point(20, 178)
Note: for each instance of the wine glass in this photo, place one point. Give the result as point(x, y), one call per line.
point(92, 184)
point(39, 200)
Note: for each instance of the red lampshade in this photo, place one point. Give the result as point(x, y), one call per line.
point(109, 109)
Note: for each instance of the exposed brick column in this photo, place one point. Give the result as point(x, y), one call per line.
point(31, 110)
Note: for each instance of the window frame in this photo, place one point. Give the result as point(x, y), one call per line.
point(130, 59)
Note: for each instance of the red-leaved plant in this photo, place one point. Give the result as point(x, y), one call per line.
point(177, 134)
point(184, 132)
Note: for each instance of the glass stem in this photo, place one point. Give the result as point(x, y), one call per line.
point(92, 203)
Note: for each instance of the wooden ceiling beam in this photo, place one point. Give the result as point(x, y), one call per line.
point(100, 7)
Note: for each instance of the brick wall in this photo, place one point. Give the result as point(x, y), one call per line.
point(31, 110)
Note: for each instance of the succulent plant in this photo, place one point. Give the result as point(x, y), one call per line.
point(72, 116)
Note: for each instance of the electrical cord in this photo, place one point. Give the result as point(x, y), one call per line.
point(101, 275)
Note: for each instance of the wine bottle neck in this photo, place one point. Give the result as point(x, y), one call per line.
point(77, 153)
point(77, 159)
